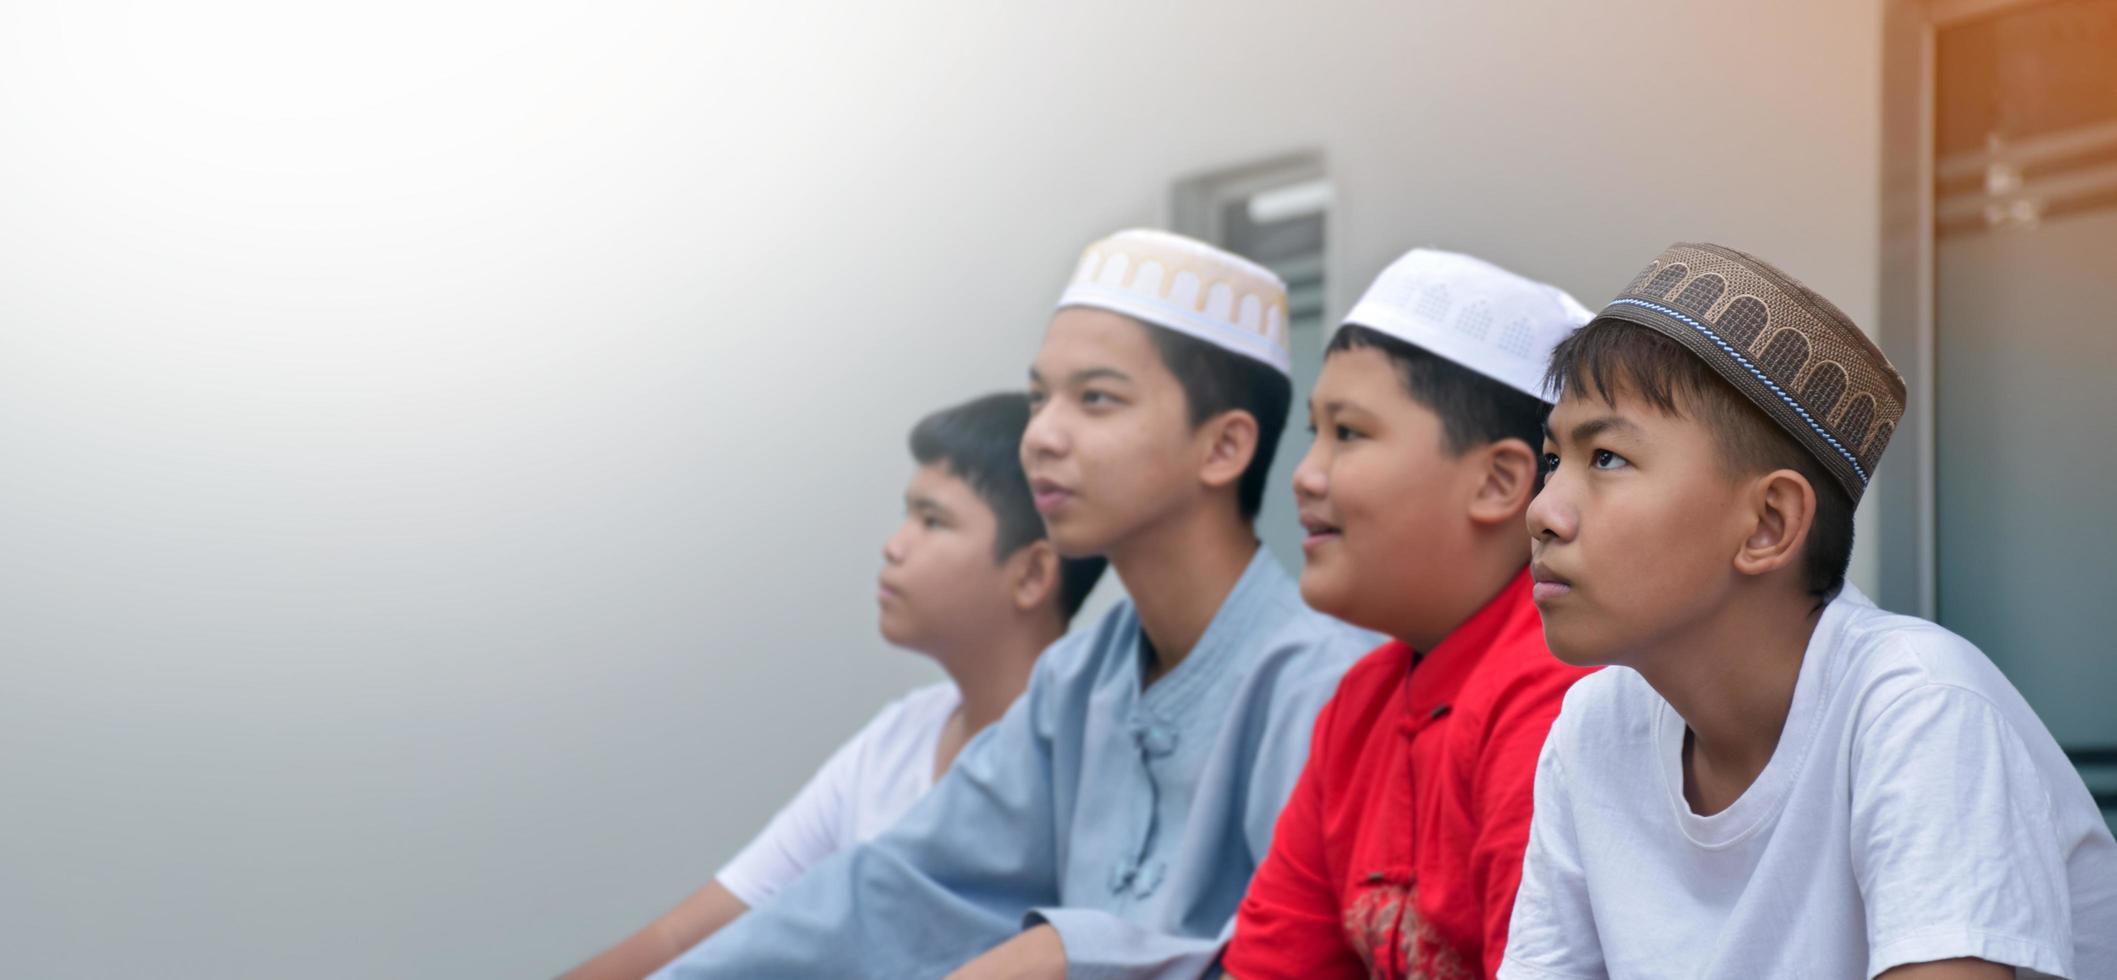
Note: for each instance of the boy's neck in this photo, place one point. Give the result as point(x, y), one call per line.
point(1178, 574)
point(1731, 678)
point(1492, 565)
point(992, 674)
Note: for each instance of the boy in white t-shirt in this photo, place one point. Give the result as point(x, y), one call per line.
point(1786, 781)
point(969, 580)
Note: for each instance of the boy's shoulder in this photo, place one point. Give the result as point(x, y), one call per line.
point(1268, 604)
point(1344, 644)
point(913, 712)
point(937, 699)
point(1613, 690)
point(1872, 642)
point(1877, 657)
point(1313, 655)
point(1602, 715)
point(1379, 668)
point(1369, 686)
point(1290, 654)
point(1084, 649)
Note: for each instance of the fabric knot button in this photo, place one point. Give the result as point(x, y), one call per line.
point(1152, 878)
point(1155, 739)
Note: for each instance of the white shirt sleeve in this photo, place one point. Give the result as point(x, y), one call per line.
point(817, 823)
point(1952, 840)
point(1552, 933)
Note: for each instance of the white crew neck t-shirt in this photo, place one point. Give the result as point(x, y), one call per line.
point(860, 792)
point(1915, 809)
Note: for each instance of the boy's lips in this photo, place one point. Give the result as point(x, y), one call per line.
point(1049, 494)
point(1549, 584)
point(1319, 531)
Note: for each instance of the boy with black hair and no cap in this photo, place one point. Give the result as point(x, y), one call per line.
point(967, 579)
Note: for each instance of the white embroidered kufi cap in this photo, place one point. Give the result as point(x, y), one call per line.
point(1188, 286)
point(1472, 312)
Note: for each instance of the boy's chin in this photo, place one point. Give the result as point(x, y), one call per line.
point(1074, 539)
point(1577, 659)
point(1326, 595)
point(898, 633)
point(1575, 650)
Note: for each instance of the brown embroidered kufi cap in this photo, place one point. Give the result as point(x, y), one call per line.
point(1787, 349)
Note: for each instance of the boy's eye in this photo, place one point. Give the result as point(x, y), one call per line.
point(1036, 399)
point(1094, 397)
point(1606, 460)
point(1344, 433)
point(929, 521)
point(1550, 462)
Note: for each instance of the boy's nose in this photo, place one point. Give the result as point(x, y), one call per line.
point(1043, 438)
point(1550, 515)
point(893, 546)
point(1310, 480)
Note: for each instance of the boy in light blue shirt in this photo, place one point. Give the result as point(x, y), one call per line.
point(1109, 824)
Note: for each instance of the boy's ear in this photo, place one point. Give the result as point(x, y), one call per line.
point(1506, 474)
point(1230, 442)
point(1784, 507)
point(1033, 575)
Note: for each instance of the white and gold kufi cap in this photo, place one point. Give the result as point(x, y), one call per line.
point(1185, 285)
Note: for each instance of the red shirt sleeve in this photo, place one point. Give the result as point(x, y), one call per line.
point(1503, 788)
point(1289, 924)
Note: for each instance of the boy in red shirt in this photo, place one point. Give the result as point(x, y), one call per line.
point(1399, 853)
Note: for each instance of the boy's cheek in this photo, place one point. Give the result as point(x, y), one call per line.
point(1321, 585)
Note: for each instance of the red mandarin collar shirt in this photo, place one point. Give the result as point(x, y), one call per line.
point(1400, 850)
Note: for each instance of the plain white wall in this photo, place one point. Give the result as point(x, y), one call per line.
point(444, 448)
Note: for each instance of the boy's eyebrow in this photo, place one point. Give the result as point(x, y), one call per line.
point(1597, 426)
point(920, 501)
point(1084, 375)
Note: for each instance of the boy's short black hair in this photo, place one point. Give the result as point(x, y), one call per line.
point(1611, 356)
point(1215, 381)
point(1475, 410)
point(979, 442)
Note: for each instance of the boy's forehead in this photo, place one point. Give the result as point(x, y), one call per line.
point(1082, 339)
point(1586, 415)
point(1581, 404)
point(1360, 376)
point(938, 483)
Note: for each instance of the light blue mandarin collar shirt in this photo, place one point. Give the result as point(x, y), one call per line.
point(1128, 819)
